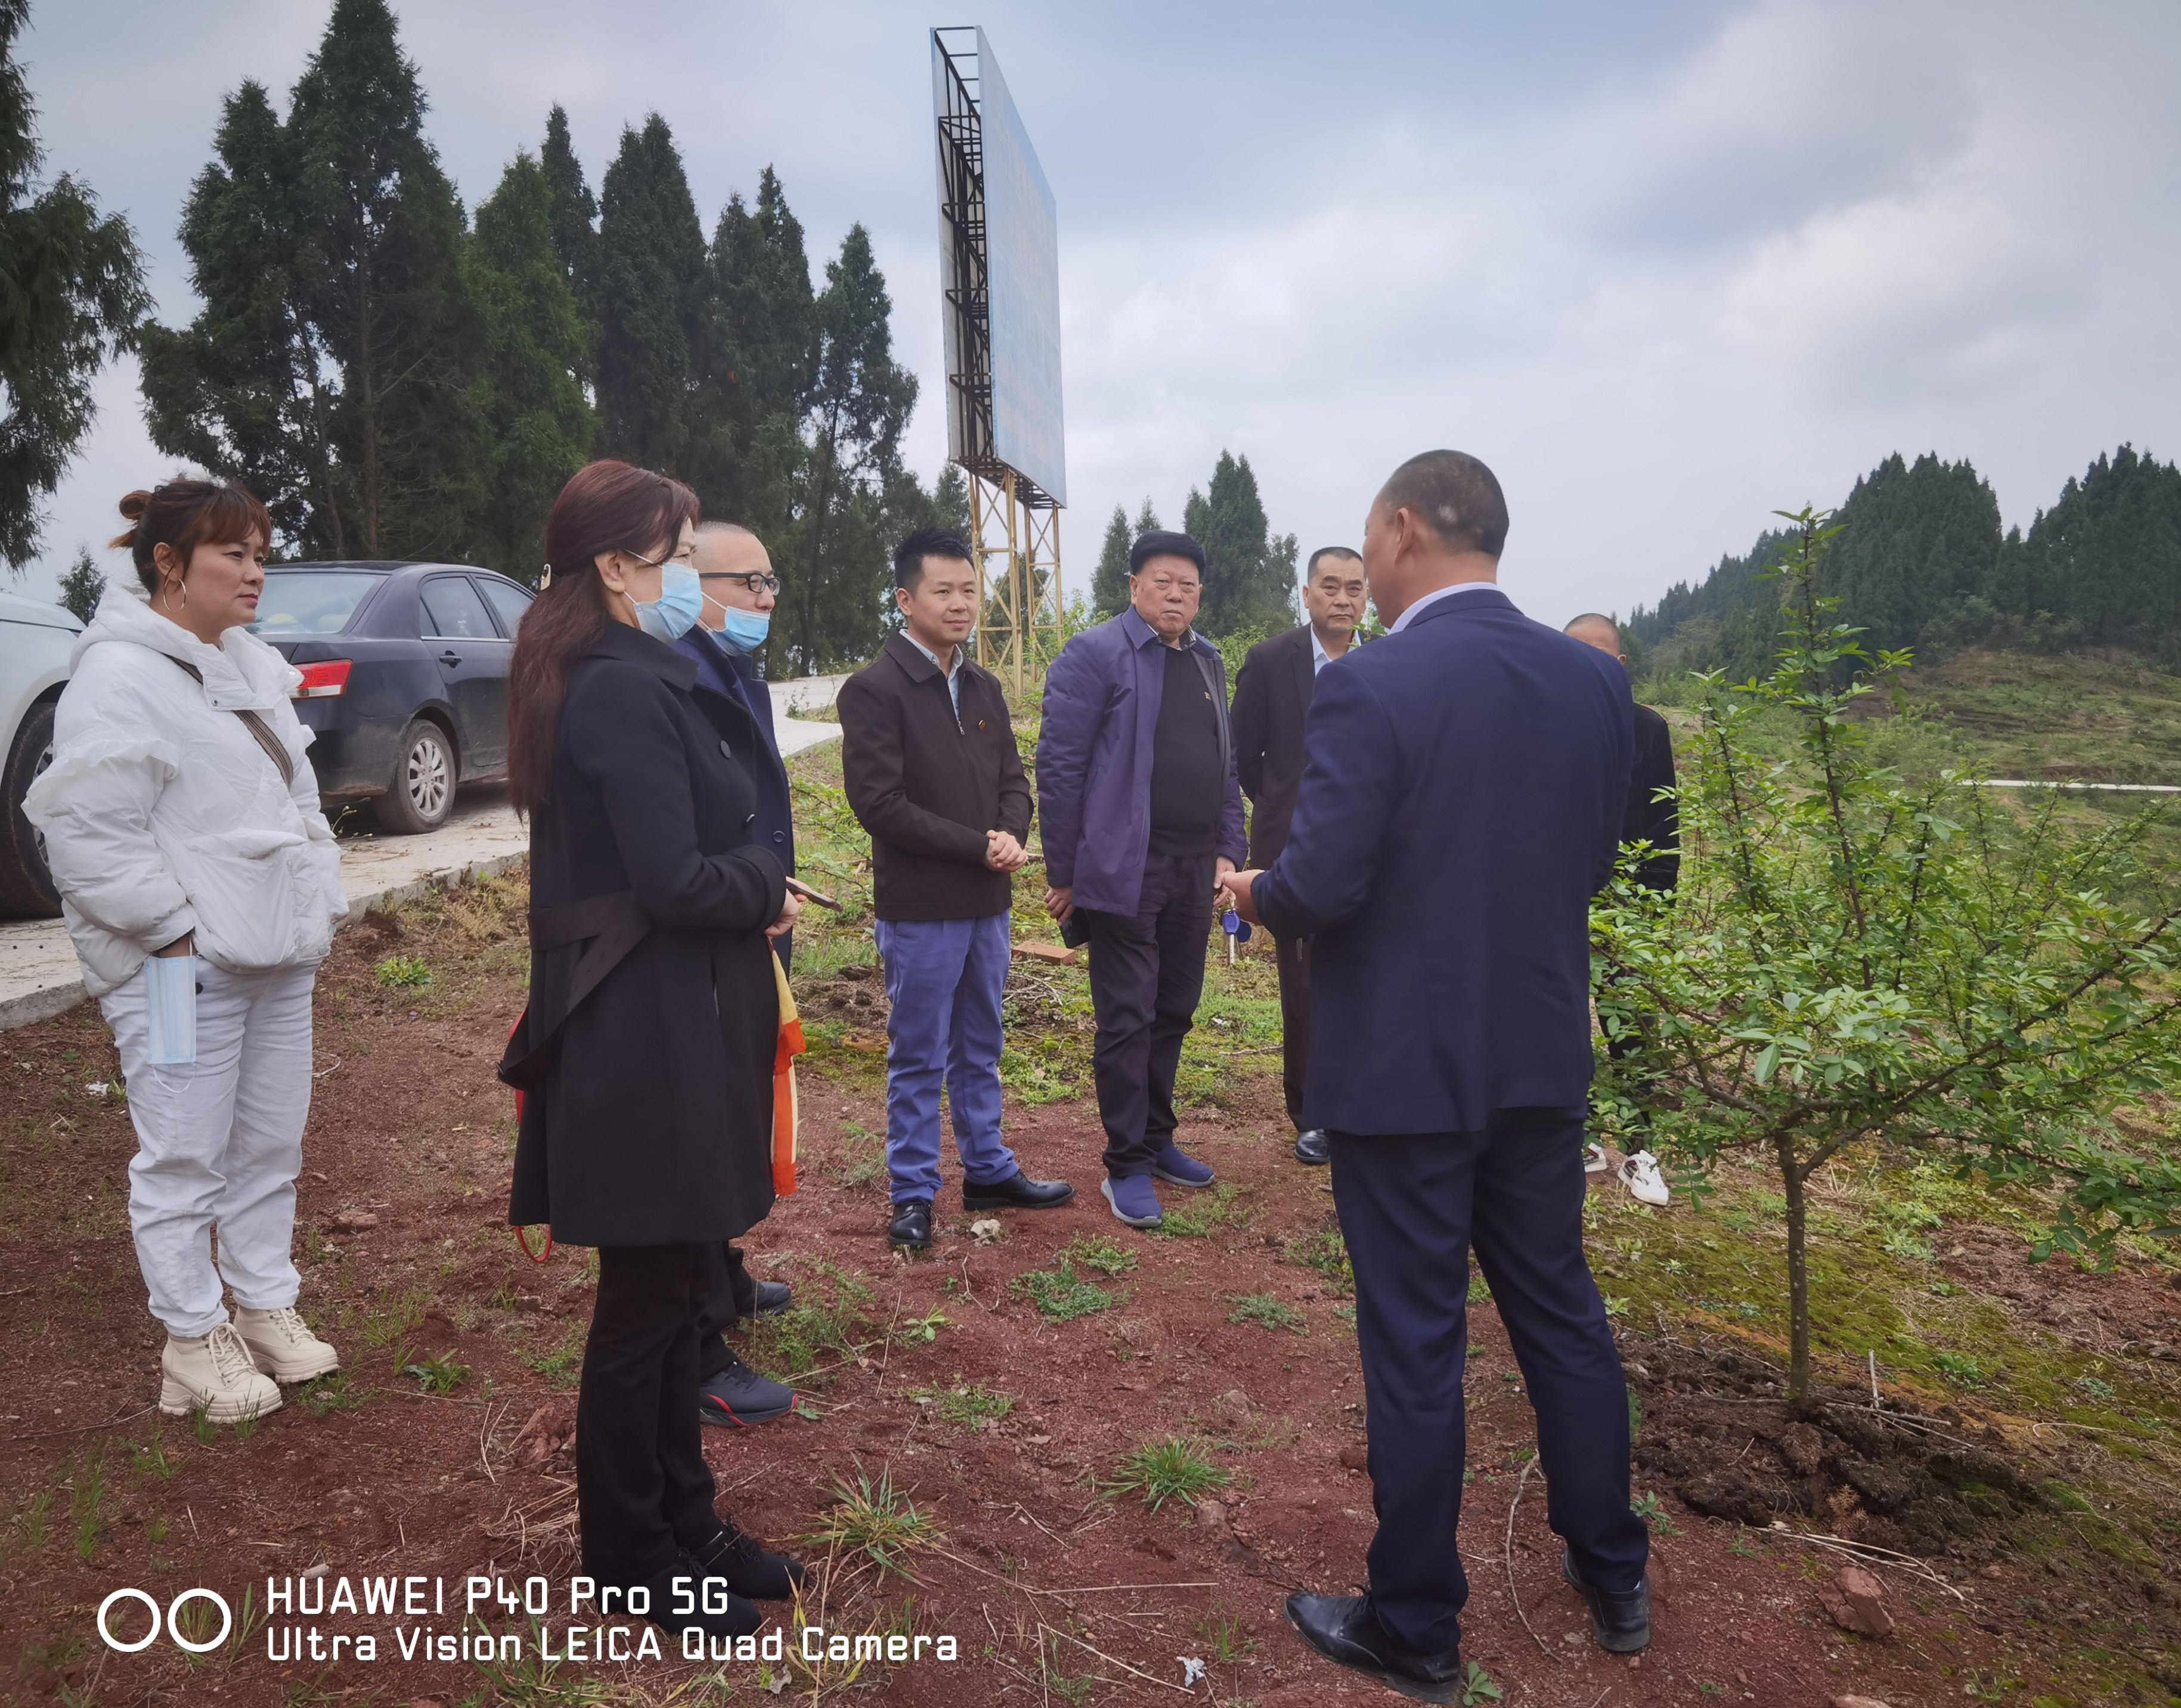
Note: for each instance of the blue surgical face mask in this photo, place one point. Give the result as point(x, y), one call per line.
point(743, 630)
point(675, 612)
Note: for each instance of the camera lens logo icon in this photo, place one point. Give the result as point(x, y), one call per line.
point(171, 1620)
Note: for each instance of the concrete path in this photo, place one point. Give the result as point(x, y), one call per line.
point(39, 977)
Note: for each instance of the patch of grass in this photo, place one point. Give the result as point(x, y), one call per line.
point(1200, 1215)
point(858, 1158)
point(1059, 1294)
point(877, 1521)
point(563, 1366)
point(30, 1520)
point(1326, 1253)
point(1178, 1468)
point(1224, 1638)
point(441, 1373)
point(1652, 1510)
point(1267, 1313)
point(967, 1404)
point(1108, 1257)
point(825, 1325)
point(399, 1316)
point(87, 1499)
point(922, 1331)
point(402, 973)
point(1958, 1367)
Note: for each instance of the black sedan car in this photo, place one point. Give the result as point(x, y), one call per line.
point(405, 678)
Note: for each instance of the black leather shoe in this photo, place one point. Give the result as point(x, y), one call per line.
point(748, 1570)
point(1620, 1620)
point(1016, 1192)
point(1346, 1631)
point(738, 1395)
point(910, 1229)
point(772, 1298)
point(1314, 1147)
point(730, 1615)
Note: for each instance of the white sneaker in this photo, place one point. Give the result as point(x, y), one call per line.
point(1593, 1160)
point(1640, 1174)
point(213, 1373)
point(282, 1345)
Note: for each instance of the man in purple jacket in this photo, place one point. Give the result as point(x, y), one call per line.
point(1142, 810)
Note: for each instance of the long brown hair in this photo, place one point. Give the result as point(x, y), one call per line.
point(606, 507)
point(184, 515)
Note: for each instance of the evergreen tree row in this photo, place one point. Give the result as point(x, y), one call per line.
point(399, 381)
point(1923, 563)
point(1249, 571)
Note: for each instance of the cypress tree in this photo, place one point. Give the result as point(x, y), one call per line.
point(1109, 585)
point(387, 305)
point(2106, 558)
point(240, 391)
point(71, 295)
point(575, 212)
point(853, 487)
point(650, 301)
point(1917, 539)
point(1249, 578)
point(528, 398)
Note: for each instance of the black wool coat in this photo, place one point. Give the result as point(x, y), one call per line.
point(1272, 697)
point(654, 1124)
point(927, 787)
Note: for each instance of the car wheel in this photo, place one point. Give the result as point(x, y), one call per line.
point(26, 888)
point(423, 790)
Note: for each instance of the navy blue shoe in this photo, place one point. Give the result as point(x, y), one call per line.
point(1176, 1167)
point(1133, 1200)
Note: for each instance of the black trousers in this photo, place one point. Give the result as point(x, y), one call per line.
point(1146, 974)
point(642, 1489)
point(1291, 954)
point(1412, 1207)
point(725, 1291)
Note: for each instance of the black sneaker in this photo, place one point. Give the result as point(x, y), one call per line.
point(1621, 1619)
point(683, 1585)
point(1016, 1192)
point(738, 1395)
point(910, 1229)
point(748, 1570)
point(1346, 1631)
point(772, 1298)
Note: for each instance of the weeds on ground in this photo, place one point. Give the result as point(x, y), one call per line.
point(860, 1157)
point(1179, 1468)
point(877, 1521)
point(86, 1499)
point(968, 1404)
point(816, 1329)
point(1058, 1682)
point(441, 1373)
point(1106, 1256)
point(1060, 1295)
point(1327, 1254)
point(1221, 1634)
point(402, 973)
point(922, 1331)
point(1200, 1215)
point(1477, 1687)
point(400, 1315)
point(30, 1520)
point(1267, 1313)
point(563, 1366)
point(1652, 1510)
point(537, 1680)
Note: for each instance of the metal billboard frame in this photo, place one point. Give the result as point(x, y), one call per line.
point(1012, 519)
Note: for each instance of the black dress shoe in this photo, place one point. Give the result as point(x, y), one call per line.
point(772, 1298)
point(1315, 1146)
point(748, 1570)
point(911, 1226)
point(1346, 1631)
point(738, 1395)
point(1016, 1192)
point(730, 1616)
point(1621, 1619)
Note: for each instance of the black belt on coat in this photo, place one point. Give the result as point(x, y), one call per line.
point(613, 925)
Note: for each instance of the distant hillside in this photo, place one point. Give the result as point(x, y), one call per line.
point(1923, 563)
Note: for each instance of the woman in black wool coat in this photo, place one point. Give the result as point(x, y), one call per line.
point(646, 1054)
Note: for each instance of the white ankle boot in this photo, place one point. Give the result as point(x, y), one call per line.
point(214, 1373)
point(282, 1345)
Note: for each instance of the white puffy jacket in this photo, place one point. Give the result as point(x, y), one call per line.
point(162, 814)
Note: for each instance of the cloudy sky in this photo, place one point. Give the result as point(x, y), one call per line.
point(1666, 268)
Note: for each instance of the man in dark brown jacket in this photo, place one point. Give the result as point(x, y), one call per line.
point(928, 756)
point(1271, 698)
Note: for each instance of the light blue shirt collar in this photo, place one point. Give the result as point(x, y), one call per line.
point(951, 669)
point(1430, 600)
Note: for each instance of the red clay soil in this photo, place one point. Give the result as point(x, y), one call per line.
point(408, 1146)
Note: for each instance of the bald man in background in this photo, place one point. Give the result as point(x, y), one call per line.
point(1648, 818)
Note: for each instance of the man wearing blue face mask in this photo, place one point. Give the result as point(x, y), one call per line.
point(734, 574)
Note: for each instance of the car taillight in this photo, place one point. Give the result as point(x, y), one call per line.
point(323, 681)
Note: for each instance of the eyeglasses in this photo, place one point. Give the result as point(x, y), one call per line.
point(755, 582)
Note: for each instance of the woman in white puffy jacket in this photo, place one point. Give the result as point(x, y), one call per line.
point(201, 885)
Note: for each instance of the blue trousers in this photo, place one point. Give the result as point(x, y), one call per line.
point(1412, 1207)
point(944, 979)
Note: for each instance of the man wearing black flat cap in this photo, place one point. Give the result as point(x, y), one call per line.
point(1142, 809)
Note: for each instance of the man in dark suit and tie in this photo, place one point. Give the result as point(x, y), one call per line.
point(1461, 803)
point(1272, 697)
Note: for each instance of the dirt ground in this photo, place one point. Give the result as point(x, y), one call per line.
point(941, 1381)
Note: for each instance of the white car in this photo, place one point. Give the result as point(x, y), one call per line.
point(35, 641)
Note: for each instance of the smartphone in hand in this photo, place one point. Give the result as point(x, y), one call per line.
point(796, 886)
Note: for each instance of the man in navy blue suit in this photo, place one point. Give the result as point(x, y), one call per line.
point(1464, 782)
point(740, 590)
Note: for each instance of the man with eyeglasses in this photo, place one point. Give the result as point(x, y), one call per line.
point(1142, 808)
point(740, 589)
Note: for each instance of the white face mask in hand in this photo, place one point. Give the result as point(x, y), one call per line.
point(170, 1009)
